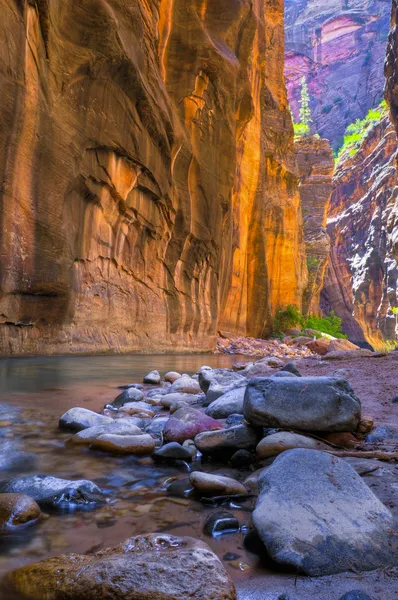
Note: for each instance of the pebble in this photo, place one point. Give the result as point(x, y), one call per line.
point(138, 445)
point(172, 376)
point(153, 378)
point(216, 485)
point(172, 451)
point(220, 523)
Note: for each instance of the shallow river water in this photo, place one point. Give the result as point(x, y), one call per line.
point(34, 392)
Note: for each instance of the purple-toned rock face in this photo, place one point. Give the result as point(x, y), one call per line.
point(341, 50)
point(186, 423)
point(361, 283)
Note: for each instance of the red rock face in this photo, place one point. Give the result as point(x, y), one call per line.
point(361, 283)
point(148, 191)
point(315, 166)
point(339, 46)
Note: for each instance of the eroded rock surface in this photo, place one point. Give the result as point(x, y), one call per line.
point(315, 166)
point(339, 46)
point(316, 514)
point(361, 283)
point(148, 189)
point(146, 567)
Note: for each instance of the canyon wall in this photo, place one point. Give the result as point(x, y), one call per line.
point(315, 167)
point(339, 46)
point(148, 189)
point(361, 283)
point(391, 92)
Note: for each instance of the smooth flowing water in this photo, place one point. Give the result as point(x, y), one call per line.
point(34, 393)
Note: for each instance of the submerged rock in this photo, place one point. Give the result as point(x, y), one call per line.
point(78, 418)
point(54, 492)
point(17, 509)
point(303, 403)
point(219, 523)
point(13, 459)
point(216, 485)
point(316, 515)
point(274, 444)
point(145, 567)
point(186, 423)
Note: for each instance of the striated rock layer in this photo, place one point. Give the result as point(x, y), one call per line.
point(315, 166)
point(391, 92)
point(361, 283)
point(339, 46)
point(148, 192)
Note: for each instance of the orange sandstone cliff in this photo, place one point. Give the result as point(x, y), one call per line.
point(148, 191)
point(315, 164)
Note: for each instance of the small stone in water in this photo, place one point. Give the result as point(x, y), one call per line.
point(172, 376)
point(230, 556)
point(172, 451)
point(219, 523)
point(152, 378)
point(241, 458)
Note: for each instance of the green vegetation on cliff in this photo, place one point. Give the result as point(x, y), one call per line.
point(357, 132)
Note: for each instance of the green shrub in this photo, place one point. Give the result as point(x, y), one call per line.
point(290, 317)
point(330, 325)
point(394, 310)
point(312, 263)
point(357, 132)
point(287, 318)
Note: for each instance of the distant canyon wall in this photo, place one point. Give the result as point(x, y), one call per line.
point(339, 46)
point(361, 283)
point(148, 188)
point(391, 91)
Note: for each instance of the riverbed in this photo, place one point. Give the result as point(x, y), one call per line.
point(34, 392)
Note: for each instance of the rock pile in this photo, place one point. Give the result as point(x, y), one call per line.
point(313, 513)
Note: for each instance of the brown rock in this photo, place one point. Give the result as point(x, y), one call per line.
point(341, 344)
point(320, 346)
point(316, 165)
point(342, 440)
point(366, 425)
point(148, 190)
point(216, 485)
point(17, 509)
point(138, 445)
point(145, 567)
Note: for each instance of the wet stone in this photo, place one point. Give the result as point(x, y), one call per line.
point(137, 445)
point(78, 418)
point(54, 492)
point(216, 485)
point(242, 458)
point(172, 451)
point(152, 378)
point(129, 395)
point(220, 523)
point(17, 509)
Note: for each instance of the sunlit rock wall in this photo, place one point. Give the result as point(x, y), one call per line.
point(339, 46)
point(148, 193)
point(361, 283)
point(315, 166)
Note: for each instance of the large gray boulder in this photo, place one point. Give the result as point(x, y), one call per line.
point(228, 404)
point(316, 514)
point(303, 403)
point(145, 567)
point(54, 492)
